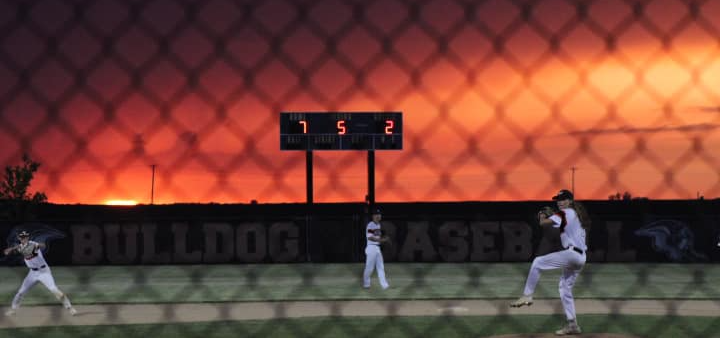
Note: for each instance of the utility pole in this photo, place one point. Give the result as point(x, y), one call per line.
point(152, 186)
point(573, 179)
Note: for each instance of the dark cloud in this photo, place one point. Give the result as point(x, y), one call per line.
point(710, 109)
point(649, 130)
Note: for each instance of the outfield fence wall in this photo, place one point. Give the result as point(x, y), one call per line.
point(622, 231)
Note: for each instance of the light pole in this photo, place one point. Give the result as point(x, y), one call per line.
point(152, 186)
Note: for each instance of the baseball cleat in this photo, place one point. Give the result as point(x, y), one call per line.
point(569, 329)
point(72, 311)
point(522, 301)
point(10, 312)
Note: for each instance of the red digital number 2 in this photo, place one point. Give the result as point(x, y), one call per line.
point(389, 125)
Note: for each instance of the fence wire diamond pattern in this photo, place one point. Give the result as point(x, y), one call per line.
point(100, 90)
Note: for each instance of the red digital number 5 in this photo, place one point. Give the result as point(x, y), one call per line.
point(341, 127)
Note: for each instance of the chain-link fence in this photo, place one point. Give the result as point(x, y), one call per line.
point(610, 96)
point(453, 268)
point(502, 100)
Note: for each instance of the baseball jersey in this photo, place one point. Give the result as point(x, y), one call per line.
point(35, 259)
point(370, 231)
point(572, 233)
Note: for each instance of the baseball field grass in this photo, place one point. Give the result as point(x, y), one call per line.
point(399, 327)
point(94, 285)
point(282, 282)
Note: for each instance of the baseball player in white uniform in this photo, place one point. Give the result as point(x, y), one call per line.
point(571, 260)
point(373, 255)
point(39, 272)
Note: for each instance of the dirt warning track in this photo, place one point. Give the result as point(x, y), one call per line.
point(55, 315)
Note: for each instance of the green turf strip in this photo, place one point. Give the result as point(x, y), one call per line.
point(446, 327)
point(218, 283)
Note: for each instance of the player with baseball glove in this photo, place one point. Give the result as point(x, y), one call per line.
point(373, 255)
point(39, 272)
point(545, 212)
point(572, 220)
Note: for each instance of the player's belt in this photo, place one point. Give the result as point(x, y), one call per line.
point(36, 269)
point(576, 250)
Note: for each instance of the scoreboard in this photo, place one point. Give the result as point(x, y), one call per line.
point(341, 131)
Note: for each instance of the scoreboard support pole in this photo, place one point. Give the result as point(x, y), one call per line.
point(309, 176)
point(370, 172)
point(371, 177)
point(309, 192)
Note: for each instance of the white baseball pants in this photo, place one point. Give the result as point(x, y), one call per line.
point(45, 277)
point(571, 263)
point(374, 260)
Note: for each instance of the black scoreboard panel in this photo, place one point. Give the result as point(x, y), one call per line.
point(341, 131)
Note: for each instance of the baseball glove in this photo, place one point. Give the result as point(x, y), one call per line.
point(28, 250)
point(545, 212)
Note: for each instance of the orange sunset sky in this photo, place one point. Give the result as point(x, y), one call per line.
point(500, 98)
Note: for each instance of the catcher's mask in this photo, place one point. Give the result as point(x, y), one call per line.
point(23, 234)
point(563, 195)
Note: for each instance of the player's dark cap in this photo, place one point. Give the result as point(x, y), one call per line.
point(563, 195)
point(375, 211)
point(24, 234)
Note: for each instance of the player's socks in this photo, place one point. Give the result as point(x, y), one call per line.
point(66, 302)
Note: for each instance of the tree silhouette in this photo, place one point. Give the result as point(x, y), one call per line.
point(14, 190)
point(17, 180)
